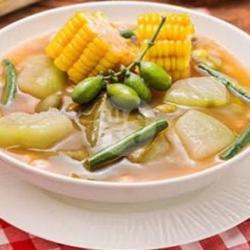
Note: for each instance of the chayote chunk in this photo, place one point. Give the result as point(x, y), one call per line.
point(39, 130)
point(198, 91)
point(202, 135)
point(40, 78)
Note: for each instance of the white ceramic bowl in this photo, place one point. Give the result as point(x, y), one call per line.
point(231, 37)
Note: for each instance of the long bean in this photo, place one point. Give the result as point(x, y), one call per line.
point(242, 141)
point(230, 83)
point(10, 87)
point(125, 146)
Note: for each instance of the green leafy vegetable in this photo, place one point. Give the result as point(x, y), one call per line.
point(90, 119)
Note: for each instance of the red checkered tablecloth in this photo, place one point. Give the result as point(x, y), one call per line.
point(237, 238)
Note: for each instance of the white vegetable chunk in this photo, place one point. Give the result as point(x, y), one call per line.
point(198, 91)
point(202, 135)
point(40, 78)
point(38, 130)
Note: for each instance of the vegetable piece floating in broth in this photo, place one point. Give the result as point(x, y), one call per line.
point(178, 26)
point(123, 96)
point(52, 101)
point(230, 83)
point(155, 76)
point(202, 135)
point(39, 131)
point(173, 47)
point(166, 108)
point(10, 88)
point(86, 90)
point(40, 78)
point(126, 96)
point(103, 123)
point(108, 91)
point(125, 146)
point(90, 119)
point(242, 141)
point(151, 151)
point(89, 44)
point(137, 83)
point(198, 91)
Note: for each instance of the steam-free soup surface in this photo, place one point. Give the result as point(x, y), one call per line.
point(174, 160)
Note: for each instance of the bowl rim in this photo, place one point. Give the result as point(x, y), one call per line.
point(108, 184)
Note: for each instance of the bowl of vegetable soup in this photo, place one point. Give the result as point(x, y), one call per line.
point(103, 104)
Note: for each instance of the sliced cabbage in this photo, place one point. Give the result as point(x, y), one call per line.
point(202, 135)
point(198, 91)
point(40, 78)
point(38, 130)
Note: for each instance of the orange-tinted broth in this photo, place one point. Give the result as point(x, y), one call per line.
point(175, 163)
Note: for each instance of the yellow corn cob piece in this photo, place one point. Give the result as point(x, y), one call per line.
point(177, 75)
point(169, 31)
point(176, 27)
point(64, 35)
point(171, 63)
point(71, 52)
point(166, 48)
point(95, 46)
point(173, 47)
point(173, 18)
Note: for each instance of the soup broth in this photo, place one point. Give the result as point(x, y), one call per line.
point(114, 124)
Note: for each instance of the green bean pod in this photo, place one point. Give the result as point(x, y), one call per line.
point(230, 83)
point(137, 83)
point(125, 146)
point(10, 87)
point(155, 76)
point(242, 141)
point(123, 96)
point(86, 90)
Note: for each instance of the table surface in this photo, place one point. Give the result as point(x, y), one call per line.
point(234, 11)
